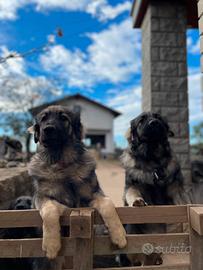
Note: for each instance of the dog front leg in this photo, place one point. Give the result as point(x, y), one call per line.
point(107, 210)
point(133, 197)
point(50, 212)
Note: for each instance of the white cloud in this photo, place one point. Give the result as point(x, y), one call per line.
point(99, 9)
point(195, 95)
point(103, 11)
point(193, 46)
point(128, 102)
point(114, 55)
point(18, 90)
point(8, 9)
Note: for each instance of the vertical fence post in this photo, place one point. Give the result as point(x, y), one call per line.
point(81, 228)
point(195, 215)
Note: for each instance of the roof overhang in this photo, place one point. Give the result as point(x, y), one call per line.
point(140, 6)
point(35, 110)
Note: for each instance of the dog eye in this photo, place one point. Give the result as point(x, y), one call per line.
point(44, 117)
point(64, 117)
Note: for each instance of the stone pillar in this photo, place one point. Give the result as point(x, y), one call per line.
point(165, 88)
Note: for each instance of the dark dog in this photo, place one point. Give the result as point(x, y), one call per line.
point(21, 203)
point(153, 175)
point(64, 176)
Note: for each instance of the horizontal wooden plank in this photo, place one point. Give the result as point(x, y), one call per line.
point(25, 218)
point(128, 215)
point(19, 248)
point(155, 267)
point(166, 243)
point(153, 214)
point(102, 245)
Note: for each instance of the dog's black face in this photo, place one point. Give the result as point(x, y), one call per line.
point(148, 136)
point(56, 125)
point(150, 128)
point(21, 203)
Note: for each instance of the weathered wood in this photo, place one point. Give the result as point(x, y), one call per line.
point(196, 240)
point(68, 263)
point(196, 219)
point(128, 215)
point(136, 243)
point(153, 214)
point(32, 248)
point(83, 256)
point(81, 224)
point(161, 267)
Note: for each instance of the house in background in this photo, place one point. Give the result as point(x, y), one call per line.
point(96, 118)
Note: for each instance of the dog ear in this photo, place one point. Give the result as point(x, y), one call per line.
point(171, 133)
point(78, 127)
point(36, 131)
point(128, 135)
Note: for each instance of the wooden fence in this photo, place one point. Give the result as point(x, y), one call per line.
point(82, 244)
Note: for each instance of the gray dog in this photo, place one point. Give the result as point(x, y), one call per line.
point(64, 176)
point(153, 175)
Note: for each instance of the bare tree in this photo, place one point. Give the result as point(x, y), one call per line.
point(20, 92)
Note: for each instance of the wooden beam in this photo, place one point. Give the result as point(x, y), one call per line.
point(128, 215)
point(83, 256)
point(196, 219)
point(161, 267)
point(136, 243)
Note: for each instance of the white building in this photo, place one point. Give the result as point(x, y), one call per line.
point(96, 118)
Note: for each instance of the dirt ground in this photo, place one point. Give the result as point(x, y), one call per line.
point(111, 178)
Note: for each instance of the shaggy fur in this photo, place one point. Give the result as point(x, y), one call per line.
point(64, 176)
point(153, 175)
point(21, 203)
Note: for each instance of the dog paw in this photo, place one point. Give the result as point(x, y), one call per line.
point(139, 202)
point(51, 246)
point(118, 238)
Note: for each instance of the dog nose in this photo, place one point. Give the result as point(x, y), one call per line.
point(153, 123)
point(49, 130)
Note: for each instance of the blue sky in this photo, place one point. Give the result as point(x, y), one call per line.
point(99, 55)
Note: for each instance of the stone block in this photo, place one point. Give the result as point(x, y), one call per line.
point(166, 9)
point(172, 54)
point(180, 145)
point(187, 176)
point(182, 69)
point(181, 39)
point(184, 130)
point(164, 39)
point(165, 99)
point(155, 24)
point(155, 53)
point(173, 84)
point(184, 161)
point(183, 98)
point(171, 25)
point(155, 83)
point(162, 68)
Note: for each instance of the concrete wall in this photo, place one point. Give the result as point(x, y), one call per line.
point(165, 88)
